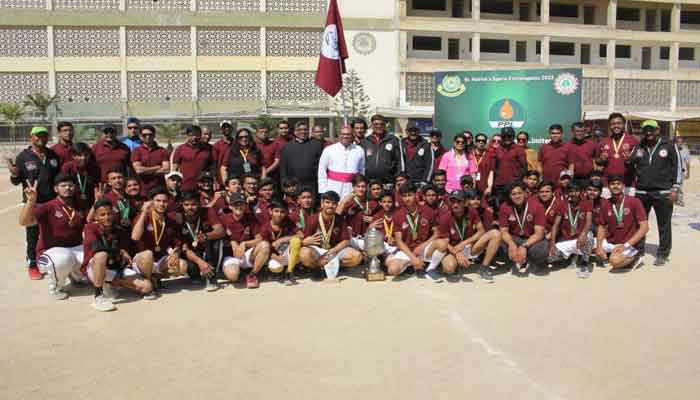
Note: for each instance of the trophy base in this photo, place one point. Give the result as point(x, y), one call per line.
point(375, 276)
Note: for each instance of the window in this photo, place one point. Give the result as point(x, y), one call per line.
point(497, 7)
point(538, 47)
point(664, 52)
point(563, 10)
point(665, 21)
point(433, 5)
point(690, 17)
point(562, 49)
point(429, 43)
point(603, 52)
point(627, 14)
point(686, 54)
point(495, 46)
point(453, 49)
point(623, 51)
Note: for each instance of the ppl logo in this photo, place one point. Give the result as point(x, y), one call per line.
point(507, 112)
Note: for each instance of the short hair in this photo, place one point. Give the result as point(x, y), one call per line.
point(616, 178)
point(577, 124)
point(230, 178)
point(266, 182)
point(439, 172)
point(102, 203)
point(148, 128)
point(481, 134)
point(527, 135)
point(435, 132)
point(63, 124)
point(532, 172)
point(556, 127)
point(61, 178)
point(407, 188)
point(377, 117)
point(190, 130)
point(300, 123)
point(291, 182)
point(373, 182)
point(514, 186)
point(595, 184)
point(546, 182)
point(359, 120)
point(307, 189)
point(133, 178)
point(116, 170)
point(249, 175)
point(276, 204)
point(81, 148)
point(574, 186)
point(158, 190)
point(616, 115)
point(357, 179)
point(387, 193)
point(403, 174)
point(191, 196)
point(466, 180)
point(428, 187)
point(330, 196)
point(282, 122)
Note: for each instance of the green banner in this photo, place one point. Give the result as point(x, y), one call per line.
point(527, 100)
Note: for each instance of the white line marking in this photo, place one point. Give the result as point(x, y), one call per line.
point(4, 210)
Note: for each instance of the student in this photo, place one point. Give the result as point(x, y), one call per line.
point(383, 221)
point(431, 198)
point(305, 209)
point(622, 226)
point(117, 196)
point(285, 242)
point(465, 228)
point(466, 183)
point(532, 181)
point(550, 203)
point(357, 208)
point(415, 239)
point(570, 231)
point(266, 190)
point(522, 224)
point(108, 264)
point(400, 179)
point(87, 178)
point(376, 190)
point(486, 246)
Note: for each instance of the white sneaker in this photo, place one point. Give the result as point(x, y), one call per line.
point(109, 291)
point(212, 286)
point(103, 304)
point(56, 293)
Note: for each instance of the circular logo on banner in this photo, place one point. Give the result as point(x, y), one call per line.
point(364, 43)
point(451, 86)
point(329, 45)
point(663, 153)
point(566, 84)
point(507, 112)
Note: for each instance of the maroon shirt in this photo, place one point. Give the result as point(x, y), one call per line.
point(633, 215)
point(86, 181)
point(583, 207)
point(355, 212)
point(241, 230)
point(426, 218)
point(268, 150)
point(410, 148)
point(582, 157)
point(64, 152)
point(218, 152)
point(96, 239)
point(281, 141)
point(207, 220)
point(294, 215)
point(171, 237)
point(109, 157)
point(485, 164)
point(288, 228)
point(534, 217)
point(192, 160)
point(131, 207)
point(340, 231)
point(469, 222)
point(510, 164)
point(550, 211)
point(554, 159)
point(56, 228)
point(150, 157)
point(616, 166)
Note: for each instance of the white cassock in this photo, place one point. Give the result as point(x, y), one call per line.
point(338, 165)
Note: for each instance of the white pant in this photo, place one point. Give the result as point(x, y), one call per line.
point(400, 255)
point(568, 247)
point(468, 253)
point(245, 263)
point(276, 266)
point(110, 274)
point(629, 252)
point(59, 262)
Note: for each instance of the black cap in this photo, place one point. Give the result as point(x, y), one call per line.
point(206, 176)
point(616, 178)
point(435, 132)
point(60, 178)
point(457, 195)
point(236, 198)
point(412, 126)
point(108, 127)
point(507, 131)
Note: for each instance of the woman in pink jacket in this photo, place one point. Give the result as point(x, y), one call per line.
point(457, 162)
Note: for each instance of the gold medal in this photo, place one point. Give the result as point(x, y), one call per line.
point(194, 244)
point(157, 249)
point(326, 233)
point(157, 237)
point(616, 155)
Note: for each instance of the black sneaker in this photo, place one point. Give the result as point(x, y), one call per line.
point(290, 279)
point(485, 274)
point(660, 261)
point(318, 274)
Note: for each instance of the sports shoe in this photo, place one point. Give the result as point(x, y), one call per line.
point(583, 271)
point(35, 274)
point(212, 285)
point(251, 282)
point(290, 279)
point(57, 294)
point(434, 275)
point(108, 291)
point(485, 273)
point(152, 295)
point(103, 304)
point(659, 261)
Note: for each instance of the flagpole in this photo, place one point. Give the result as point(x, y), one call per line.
point(342, 92)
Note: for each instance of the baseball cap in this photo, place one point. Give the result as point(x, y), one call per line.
point(457, 195)
point(650, 123)
point(206, 176)
point(236, 198)
point(616, 178)
point(108, 127)
point(564, 173)
point(507, 131)
point(173, 174)
point(412, 126)
point(225, 122)
point(38, 130)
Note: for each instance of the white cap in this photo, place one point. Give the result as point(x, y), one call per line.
point(226, 121)
point(173, 173)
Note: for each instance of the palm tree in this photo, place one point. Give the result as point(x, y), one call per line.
point(41, 104)
point(12, 113)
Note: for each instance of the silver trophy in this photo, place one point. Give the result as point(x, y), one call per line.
point(374, 247)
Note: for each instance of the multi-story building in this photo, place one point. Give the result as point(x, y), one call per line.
point(205, 59)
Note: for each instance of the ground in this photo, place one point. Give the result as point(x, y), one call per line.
point(612, 336)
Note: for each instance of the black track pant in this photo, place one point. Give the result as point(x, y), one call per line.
point(663, 208)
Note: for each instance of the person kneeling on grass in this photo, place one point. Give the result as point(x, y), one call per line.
point(622, 224)
point(416, 241)
point(244, 247)
point(157, 240)
point(108, 264)
point(522, 223)
point(571, 229)
point(285, 242)
point(326, 237)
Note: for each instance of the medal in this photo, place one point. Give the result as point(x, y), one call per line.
point(388, 229)
point(157, 237)
point(413, 224)
point(157, 249)
point(124, 211)
point(364, 209)
point(616, 155)
point(302, 221)
point(521, 221)
point(460, 230)
point(619, 213)
point(194, 244)
point(194, 232)
point(573, 221)
point(70, 213)
point(326, 234)
point(82, 185)
point(617, 145)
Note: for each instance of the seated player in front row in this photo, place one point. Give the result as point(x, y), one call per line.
point(416, 241)
point(285, 242)
point(622, 224)
point(357, 209)
point(201, 230)
point(572, 224)
point(326, 236)
point(106, 247)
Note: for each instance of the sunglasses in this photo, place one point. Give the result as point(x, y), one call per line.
point(244, 137)
point(459, 141)
point(496, 140)
point(522, 140)
point(480, 141)
point(132, 127)
point(147, 134)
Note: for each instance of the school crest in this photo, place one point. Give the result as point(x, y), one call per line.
point(53, 162)
point(529, 217)
point(388, 147)
point(663, 153)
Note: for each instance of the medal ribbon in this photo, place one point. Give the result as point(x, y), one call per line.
point(359, 204)
point(82, 183)
point(554, 200)
point(302, 221)
point(326, 234)
point(70, 213)
point(462, 229)
point(388, 229)
point(521, 221)
point(658, 142)
point(275, 236)
point(157, 237)
point(196, 229)
point(573, 220)
point(617, 145)
point(413, 224)
point(619, 213)
point(244, 154)
point(124, 209)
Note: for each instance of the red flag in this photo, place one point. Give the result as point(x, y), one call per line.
point(333, 53)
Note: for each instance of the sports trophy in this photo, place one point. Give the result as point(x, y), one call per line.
point(374, 247)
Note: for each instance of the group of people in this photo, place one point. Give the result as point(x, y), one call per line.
point(128, 214)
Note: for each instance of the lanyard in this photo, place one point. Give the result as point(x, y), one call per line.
point(651, 154)
point(461, 230)
point(364, 209)
point(194, 232)
point(554, 200)
point(124, 208)
point(413, 224)
point(70, 212)
point(244, 154)
point(388, 229)
point(275, 236)
point(573, 220)
point(478, 159)
point(302, 220)
point(157, 237)
point(617, 145)
point(521, 221)
point(619, 213)
point(326, 234)
point(82, 183)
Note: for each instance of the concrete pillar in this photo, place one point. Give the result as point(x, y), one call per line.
point(516, 10)
point(476, 10)
point(544, 11)
point(544, 50)
point(673, 56)
point(122, 5)
point(676, 17)
point(49, 5)
point(123, 65)
point(263, 70)
point(402, 9)
point(476, 47)
point(610, 55)
point(52, 61)
point(657, 19)
point(612, 14)
point(193, 5)
point(674, 94)
point(195, 70)
point(403, 48)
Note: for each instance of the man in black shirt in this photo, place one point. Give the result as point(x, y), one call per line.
point(36, 163)
point(382, 151)
point(299, 158)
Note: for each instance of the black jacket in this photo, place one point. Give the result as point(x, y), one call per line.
point(662, 172)
point(382, 160)
point(420, 167)
point(32, 169)
point(300, 160)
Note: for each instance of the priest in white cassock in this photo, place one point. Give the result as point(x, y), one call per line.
point(339, 163)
